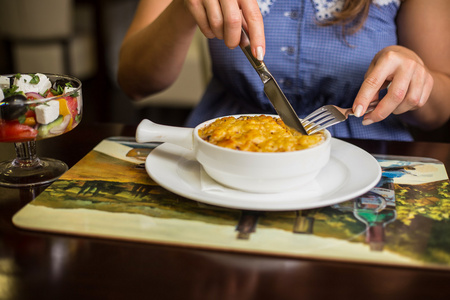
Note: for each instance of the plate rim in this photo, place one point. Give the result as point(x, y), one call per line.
point(200, 196)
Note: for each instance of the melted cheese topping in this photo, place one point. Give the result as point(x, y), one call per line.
point(257, 134)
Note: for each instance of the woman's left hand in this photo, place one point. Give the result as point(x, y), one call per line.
point(410, 84)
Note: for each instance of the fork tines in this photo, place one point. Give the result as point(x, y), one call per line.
point(322, 118)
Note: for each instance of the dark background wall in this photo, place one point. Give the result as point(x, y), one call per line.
point(83, 39)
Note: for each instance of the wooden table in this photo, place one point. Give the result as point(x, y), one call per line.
point(37, 265)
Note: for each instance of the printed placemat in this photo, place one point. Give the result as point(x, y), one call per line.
point(403, 221)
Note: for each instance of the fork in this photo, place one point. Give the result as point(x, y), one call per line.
point(329, 115)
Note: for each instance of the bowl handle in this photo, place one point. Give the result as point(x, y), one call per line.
point(148, 131)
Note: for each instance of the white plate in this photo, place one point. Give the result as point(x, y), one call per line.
point(350, 173)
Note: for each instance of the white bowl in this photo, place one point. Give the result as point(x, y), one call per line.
point(256, 172)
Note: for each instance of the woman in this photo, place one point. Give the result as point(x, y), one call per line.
point(341, 52)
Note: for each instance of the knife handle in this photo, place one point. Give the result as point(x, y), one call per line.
point(258, 65)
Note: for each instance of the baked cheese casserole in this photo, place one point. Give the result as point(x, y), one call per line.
point(257, 134)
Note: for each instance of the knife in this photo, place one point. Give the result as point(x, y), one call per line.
point(271, 88)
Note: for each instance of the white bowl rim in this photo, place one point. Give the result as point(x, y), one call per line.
point(285, 153)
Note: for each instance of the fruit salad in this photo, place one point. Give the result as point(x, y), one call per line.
point(38, 106)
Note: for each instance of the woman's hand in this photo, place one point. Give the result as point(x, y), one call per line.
point(410, 84)
point(223, 19)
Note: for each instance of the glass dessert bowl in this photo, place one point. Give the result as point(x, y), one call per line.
point(35, 107)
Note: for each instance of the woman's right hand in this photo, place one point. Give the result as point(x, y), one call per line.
point(223, 19)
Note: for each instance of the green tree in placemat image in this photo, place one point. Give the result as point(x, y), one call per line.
point(422, 222)
point(432, 200)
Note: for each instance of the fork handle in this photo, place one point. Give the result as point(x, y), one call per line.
point(371, 107)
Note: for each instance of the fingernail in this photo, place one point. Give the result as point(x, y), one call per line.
point(259, 53)
point(358, 111)
point(367, 122)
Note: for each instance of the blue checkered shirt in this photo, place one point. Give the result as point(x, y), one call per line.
point(313, 65)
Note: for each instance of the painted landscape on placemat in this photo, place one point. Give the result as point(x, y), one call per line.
point(414, 228)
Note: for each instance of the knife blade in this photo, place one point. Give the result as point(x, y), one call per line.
point(272, 89)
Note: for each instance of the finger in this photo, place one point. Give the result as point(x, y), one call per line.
point(393, 100)
point(232, 23)
point(214, 16)
point(255, 27)
point(384, 67)
point(384, 107)
point(208, 15)
point(418, 93)
point(412, 97)
point(363, 102)
point(198, 12)
point(376, 79)
point(404, 84)
point(426, 92)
